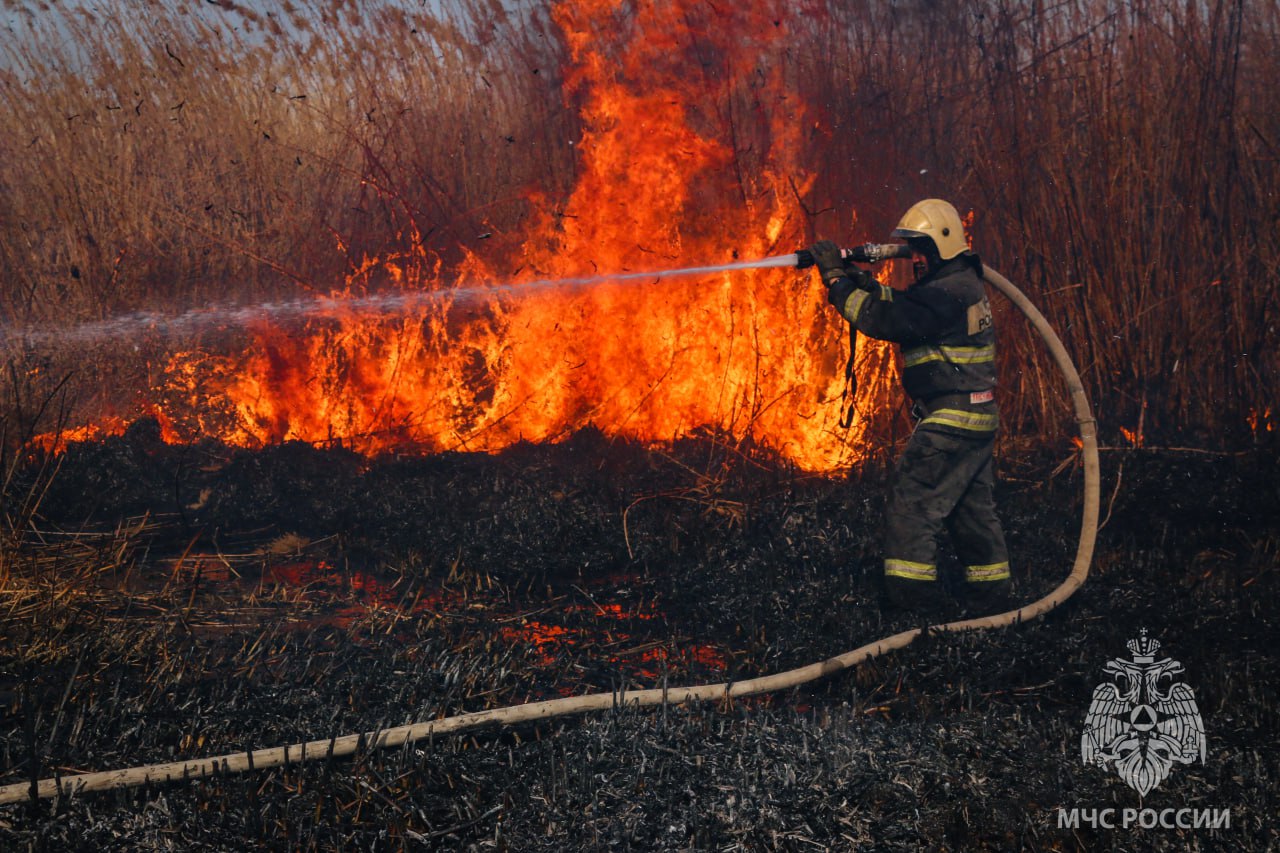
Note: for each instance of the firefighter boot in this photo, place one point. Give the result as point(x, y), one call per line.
point(983, 598)
point(915, 596)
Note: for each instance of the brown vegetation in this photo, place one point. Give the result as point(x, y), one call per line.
point(1120, 160)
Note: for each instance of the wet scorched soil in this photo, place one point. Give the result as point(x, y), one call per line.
point(174, 602)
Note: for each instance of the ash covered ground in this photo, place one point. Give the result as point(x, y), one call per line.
point(180, 602)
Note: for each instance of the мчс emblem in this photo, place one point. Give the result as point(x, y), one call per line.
point(1144, 719)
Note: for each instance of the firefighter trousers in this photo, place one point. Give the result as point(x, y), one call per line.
point(945, 480)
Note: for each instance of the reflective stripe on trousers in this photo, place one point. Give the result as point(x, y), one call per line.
point(993, 572)
point(945, 481)
point(910, 571)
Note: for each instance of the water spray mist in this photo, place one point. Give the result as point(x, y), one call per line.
point(391, 303)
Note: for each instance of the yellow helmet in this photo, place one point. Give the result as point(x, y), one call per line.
point(937, 220)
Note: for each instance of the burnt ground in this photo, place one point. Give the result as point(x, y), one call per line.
point(172, 602)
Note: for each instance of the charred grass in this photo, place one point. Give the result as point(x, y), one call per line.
point(173, 602)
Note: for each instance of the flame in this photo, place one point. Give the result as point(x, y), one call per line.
point(1260, 421)
point(56, 442)
point(1134, 437)
point(753, 355)
point(107, 426)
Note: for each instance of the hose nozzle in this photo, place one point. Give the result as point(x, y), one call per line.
point(867, 253)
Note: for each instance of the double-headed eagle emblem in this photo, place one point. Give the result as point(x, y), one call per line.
point(1144, 719)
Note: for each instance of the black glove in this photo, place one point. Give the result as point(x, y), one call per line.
point(826, 254)
point(840, 275)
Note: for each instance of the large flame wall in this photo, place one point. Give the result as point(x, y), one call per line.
point(748, 354)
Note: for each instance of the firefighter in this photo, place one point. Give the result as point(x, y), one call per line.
point(942, 324)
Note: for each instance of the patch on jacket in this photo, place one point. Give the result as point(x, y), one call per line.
point(979, 318)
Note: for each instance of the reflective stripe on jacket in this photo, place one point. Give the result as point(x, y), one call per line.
point(943, 326)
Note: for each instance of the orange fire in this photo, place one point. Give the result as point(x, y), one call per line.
point(1260, 421)
point(56, 442)
point(750, 355)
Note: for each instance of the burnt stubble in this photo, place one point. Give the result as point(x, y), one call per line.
point(197, 600)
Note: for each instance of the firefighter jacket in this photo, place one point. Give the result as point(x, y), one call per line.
point(942, 324)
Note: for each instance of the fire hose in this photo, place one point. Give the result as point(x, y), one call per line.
point(336, 747)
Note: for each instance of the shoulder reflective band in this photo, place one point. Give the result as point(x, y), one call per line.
point(910, 571)
point(954, 355)
point(960, 419)
point(853, 305)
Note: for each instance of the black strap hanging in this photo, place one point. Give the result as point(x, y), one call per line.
point(850, 393)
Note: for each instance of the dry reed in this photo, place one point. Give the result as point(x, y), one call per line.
point(1120, 160)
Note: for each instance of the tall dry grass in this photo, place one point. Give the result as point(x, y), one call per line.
point(196, 156)
point(1120, 159)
